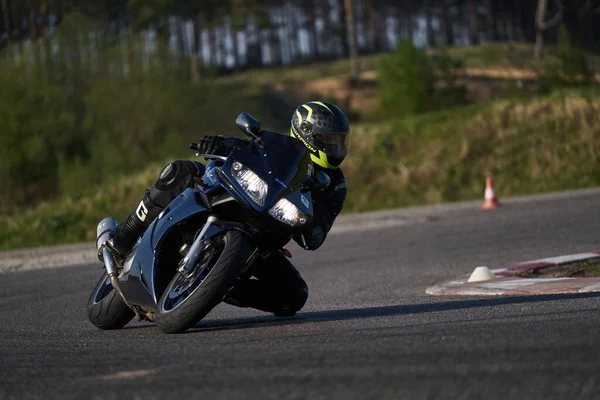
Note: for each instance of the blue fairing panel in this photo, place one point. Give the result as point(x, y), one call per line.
point(183, 207)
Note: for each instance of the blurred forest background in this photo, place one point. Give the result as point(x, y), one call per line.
point(93, 92)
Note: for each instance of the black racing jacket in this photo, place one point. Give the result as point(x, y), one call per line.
point(327, 203)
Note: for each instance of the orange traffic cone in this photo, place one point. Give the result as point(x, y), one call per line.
point(490, 199)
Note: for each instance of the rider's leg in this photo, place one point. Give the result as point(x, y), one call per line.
point(279, 288)
point(173, 179)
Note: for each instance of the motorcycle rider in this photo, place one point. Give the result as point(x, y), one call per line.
point(278, 288)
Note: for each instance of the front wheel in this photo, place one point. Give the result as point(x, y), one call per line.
point(106, 309)
point(187, 300)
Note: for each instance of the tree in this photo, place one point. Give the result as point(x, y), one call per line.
point(237, 22)
point(275, 35)
point(407, 80)
point(374, 43)
point(196, 48)
point(354, 61)
point(312, 11)
point(410, 25)
point(448, 23)
point(45, 31)
point(329, 27)
point(290, 28)
point(429, 28)
point(472, 23)
point(490, 6)
point(542, 25)
point(343, 27)
point(518, 20)
point(275, 46)
point(4, 12)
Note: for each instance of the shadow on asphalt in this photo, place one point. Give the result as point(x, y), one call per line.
point(374, 312)
point(369, 312)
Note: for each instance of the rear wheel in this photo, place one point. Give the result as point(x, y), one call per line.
point(106, 309)
point(187, 299)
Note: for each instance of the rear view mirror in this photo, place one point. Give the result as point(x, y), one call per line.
point(248, 124)
point(321, 180)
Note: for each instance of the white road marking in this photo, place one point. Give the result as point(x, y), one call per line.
point(517, 283)
point(564, 259)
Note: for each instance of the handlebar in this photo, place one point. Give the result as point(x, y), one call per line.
point(212, 156)
point(196, 147)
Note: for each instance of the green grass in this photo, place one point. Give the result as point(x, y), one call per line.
point(581, 269)
point(296, 73)
point(516, 55)
point(527, 145)
point(72, 219)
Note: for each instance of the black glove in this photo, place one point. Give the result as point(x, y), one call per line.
point(209, 145)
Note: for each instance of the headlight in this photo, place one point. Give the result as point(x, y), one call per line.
point(254, 187)
point(286, 212)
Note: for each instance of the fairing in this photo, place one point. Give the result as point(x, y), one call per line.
point(283, 163)
point(138, 279)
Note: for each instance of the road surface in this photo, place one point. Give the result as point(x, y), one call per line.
point(368, 329)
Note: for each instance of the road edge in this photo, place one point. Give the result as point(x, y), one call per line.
point(84, 253)
point(508, 283)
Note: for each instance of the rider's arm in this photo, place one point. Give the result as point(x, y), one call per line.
point(327, 204)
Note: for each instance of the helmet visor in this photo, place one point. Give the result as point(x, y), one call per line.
point(333, 144)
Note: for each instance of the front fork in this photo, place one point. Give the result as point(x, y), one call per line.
point(186, 266)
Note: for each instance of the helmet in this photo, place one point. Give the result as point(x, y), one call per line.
point(324, 130)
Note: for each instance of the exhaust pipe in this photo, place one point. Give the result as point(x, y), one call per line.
point(102, 231)
point(105, 227)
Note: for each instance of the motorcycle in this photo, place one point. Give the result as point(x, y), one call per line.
point(246, 205)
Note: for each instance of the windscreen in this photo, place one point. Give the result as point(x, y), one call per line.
point(287, 157)
point(283, 162)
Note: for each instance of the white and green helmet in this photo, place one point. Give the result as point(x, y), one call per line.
point(324, 130)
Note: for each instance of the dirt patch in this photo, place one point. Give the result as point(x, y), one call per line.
point(483, 85)
point(500, 73)
point(581, 269)
point(359, 98)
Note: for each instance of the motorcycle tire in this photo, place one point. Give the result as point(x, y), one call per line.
point(210, 290)
point(106, 309)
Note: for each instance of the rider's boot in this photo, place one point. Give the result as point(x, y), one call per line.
point(124, 236)
point(281, 301)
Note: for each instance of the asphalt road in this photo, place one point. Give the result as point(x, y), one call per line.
point(367, 331)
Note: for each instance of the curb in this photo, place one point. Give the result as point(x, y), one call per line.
point(507, 283)
point(53, 256)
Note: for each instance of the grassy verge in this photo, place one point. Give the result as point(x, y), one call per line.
point(527, 145)
point(70, 219)
point(584, 269)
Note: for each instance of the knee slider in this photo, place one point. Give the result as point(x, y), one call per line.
point(168, 176)
point(298, 298)
point(173, 179)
